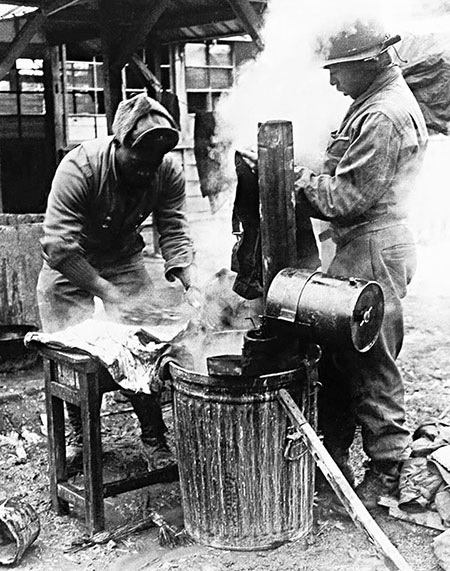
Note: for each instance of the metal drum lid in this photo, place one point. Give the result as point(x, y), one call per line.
point(367, 317)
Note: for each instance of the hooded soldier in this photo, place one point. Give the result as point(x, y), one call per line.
point(101, 193)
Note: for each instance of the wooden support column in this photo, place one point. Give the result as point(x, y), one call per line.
point(141, 29)
point(112, 85)
point(110, 36)
point(277, 198)
point(1, 193)
point(55, 109)
point(117, 49)
point(250, 19)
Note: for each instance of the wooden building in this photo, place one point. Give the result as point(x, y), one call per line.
point(66, 64)
point(64, 67)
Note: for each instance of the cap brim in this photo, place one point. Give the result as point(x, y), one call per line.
point(162, 137)
point(360, 57)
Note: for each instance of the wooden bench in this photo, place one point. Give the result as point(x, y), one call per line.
point(76, 379)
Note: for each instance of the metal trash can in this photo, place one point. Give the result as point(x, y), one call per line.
point(246, 483)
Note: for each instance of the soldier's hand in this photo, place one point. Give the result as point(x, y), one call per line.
point(182, 274)
point(250, 157)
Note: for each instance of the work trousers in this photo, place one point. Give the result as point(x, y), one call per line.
point(61, 305)
point(366, 389)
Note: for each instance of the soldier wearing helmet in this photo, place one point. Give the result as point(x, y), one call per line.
point(363, 189)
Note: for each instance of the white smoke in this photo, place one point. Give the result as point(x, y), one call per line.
point(287, 82)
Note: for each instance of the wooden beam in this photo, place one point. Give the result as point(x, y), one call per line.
point(142, 69)
point(21, 41)
point(251, 21)
point(57, 5)
point(140, 31)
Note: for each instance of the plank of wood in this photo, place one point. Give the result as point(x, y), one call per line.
point(250, 19)
point(21, 41)
point(426, 518)
point(359, 514)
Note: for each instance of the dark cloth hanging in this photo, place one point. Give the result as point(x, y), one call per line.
point(426, 69)
point(246, 258)
point(209, 155)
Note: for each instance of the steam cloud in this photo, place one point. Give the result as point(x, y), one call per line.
point(287, 80)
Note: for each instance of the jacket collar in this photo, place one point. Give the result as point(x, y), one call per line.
point(383, 79)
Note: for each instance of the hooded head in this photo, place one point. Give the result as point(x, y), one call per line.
point(145, 131)
point(142, 122)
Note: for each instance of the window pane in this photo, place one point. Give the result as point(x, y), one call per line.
point(221, 78)
point(196, 78)
point(99, 78)
point(5, 84)
point(195, 54)
point(197, 102)
point(220, 54)
point(8, 104)
point(85, 103)
point(31, 82)
point(80, 75)
point(31, 74)
point(32, 104)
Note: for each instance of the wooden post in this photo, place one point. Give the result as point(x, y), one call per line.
point(1, 193)
point(112, 85)
point(277, 199)
point(112, 73)
point(55, 112)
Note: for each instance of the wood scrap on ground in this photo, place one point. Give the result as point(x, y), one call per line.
point(169, 536)
point(426, 518)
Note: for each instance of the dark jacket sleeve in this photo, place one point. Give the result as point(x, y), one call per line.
point(65, 211)
point(63, 221)
point(170, 218)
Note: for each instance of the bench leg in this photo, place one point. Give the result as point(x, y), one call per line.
point(56, 440)
point(92, 452)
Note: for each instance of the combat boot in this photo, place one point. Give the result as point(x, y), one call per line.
point(157, 453)
point(380, 479)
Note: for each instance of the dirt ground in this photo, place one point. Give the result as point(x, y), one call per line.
point(335, 544)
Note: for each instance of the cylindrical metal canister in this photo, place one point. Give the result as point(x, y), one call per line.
point(328, 310)
point(19, 527)
point(246, 482)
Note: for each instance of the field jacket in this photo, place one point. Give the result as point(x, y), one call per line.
point(91, 213)
point(372, 160)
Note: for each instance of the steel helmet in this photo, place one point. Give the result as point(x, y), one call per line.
point(361, 41)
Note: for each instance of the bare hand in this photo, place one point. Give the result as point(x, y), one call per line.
point(182, 274)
